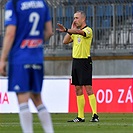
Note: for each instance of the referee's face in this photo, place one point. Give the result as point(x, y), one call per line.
point(78, 19)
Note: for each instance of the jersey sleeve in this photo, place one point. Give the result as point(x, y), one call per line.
point(88, 32)
point(47, 13)
point(72, 36)
point(10, 16)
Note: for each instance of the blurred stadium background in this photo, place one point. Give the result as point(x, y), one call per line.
point(112, 24)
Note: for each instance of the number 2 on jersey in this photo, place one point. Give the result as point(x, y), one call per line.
point(34, 18)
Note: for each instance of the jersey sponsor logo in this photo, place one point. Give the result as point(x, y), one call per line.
point(33, 66)
point(16, 87)
point(31, 43)
point(32, 4)
point(8, 14)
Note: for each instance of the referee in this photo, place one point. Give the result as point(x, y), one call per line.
point(81, 35)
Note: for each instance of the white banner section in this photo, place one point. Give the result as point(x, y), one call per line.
point(55, 95)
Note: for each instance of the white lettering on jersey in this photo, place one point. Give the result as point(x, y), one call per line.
point(8, 14)
point(32, 4)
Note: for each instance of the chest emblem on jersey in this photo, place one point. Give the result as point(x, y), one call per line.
point(79, 39)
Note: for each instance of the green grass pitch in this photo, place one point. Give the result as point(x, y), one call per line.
point(109, 123)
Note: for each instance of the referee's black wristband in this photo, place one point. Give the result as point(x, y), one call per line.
point(66, 30)
point(69, 33)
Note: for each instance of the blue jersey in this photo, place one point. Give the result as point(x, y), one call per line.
point(29, 16)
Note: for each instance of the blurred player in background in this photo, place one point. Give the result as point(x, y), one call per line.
point(28, 25)
point(81, 35)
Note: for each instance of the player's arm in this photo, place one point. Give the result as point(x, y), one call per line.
point(8, 41)
point(76, 31)
point(67, 39)
point(7, 44)
point(48, 30)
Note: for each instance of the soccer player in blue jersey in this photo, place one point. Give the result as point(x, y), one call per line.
point(28, 25)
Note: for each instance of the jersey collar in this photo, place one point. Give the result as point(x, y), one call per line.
point(84, 27)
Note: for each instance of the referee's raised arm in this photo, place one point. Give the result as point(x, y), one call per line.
point(67, 39)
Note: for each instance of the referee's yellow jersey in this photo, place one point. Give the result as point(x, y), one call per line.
point(82, 44)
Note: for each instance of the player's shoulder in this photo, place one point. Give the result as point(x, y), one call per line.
point(9, 5)
point(88, 29)
point(9, 2)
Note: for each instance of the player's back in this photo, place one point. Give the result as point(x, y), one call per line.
point(29, 16)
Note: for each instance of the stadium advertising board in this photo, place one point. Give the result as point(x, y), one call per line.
point(113, 95)
point(55, 93)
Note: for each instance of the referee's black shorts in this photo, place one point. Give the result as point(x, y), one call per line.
point(82, 71)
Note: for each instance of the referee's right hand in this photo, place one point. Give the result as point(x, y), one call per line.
point(3, 68)
point(61, 28)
